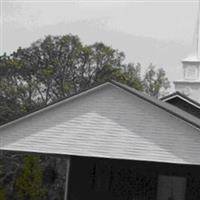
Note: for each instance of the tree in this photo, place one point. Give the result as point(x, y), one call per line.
point(2, 194)
point(58, 66)
point(155, 82)
point(133, 76)
point(9, 95)
point(29, 183)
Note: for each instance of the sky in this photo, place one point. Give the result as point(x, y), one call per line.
point(160, 32)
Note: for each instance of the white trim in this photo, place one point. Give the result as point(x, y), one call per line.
point(68, 163)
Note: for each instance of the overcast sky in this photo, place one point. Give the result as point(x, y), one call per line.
point(158, 31)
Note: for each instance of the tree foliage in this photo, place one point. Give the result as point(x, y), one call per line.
point(2, 194)
point(2, 191)
point(58, 66)
point(29, 182)
point(155, 82)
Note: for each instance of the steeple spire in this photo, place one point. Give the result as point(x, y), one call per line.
point(198, 33)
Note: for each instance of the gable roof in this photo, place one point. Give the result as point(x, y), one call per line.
point(175, 111)
point(111, 121)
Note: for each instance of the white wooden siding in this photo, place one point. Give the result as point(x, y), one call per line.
point(107, 122)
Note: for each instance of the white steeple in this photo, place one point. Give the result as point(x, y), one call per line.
point(190, 83)
point(197, 33)
point(195, 56)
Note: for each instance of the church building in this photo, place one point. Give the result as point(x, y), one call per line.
point(121, 144)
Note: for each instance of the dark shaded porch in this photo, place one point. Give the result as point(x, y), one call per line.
point(109, 179)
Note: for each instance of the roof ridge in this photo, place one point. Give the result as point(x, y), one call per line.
point(156, 102)
point(165, 106)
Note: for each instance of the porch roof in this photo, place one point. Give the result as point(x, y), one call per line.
point(181, 96)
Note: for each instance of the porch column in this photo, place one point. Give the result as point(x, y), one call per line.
point(67, 177)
